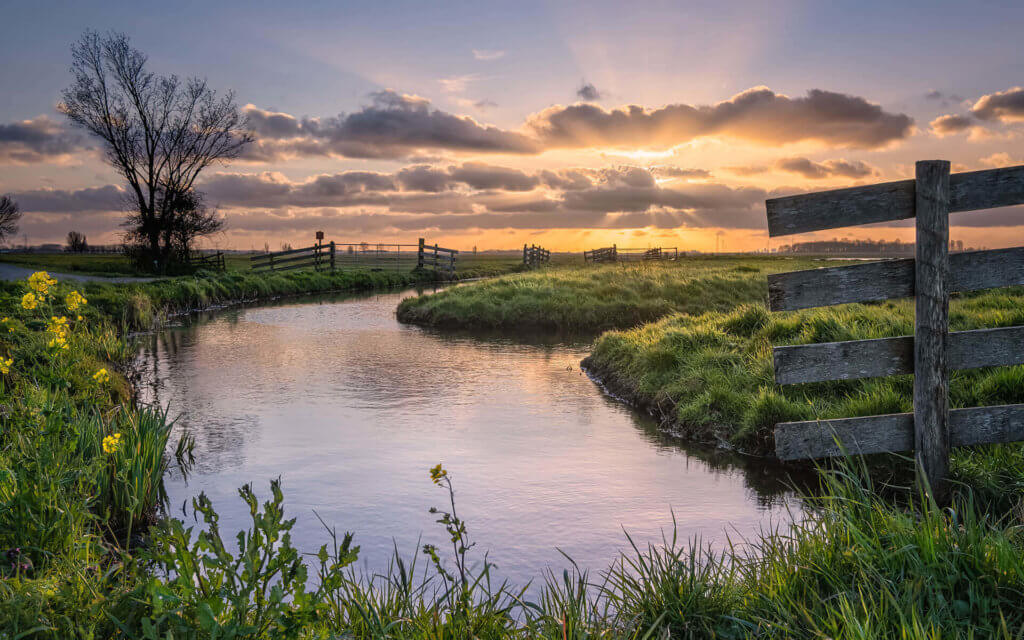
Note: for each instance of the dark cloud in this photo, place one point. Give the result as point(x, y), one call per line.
point(394, 125)
point(758, 115)
point(950, 124)
point(37, 140)
point(827, 169)
point(485, 176)
point(934, 94)
point(423, 178)
point(567, 179)
point(106, 198)
point(1002, 106)
point(588, 91)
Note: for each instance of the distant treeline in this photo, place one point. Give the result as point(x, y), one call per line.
point(860, 247)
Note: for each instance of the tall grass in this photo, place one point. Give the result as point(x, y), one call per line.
point(597, 297)
point(711, 374)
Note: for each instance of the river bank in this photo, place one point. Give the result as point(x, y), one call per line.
point(71, 488)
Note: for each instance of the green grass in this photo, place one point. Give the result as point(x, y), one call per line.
point(711, 373)
point(595, 298)
point(469, 265)
point(71, 514)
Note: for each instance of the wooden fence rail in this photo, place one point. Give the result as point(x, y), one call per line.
point(535, 257)
point(436, 258)
point(211, 261)
point(318, 256)
point(932, 351)
point(615, 254)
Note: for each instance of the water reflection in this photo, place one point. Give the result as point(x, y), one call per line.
point(351, 408)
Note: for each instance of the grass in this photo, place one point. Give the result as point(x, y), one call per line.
point(469, 265)
point(711, 373)
point(72, 509)
point(596, 298)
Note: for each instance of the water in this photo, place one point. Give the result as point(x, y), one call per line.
point(351, 409)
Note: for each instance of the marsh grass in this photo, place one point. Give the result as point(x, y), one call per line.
point(598, 297)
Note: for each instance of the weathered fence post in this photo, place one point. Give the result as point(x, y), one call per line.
point(525, 262)
point(332, 255)
point(419, 256)
point(931, 291)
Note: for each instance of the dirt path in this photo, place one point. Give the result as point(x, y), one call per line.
point(17, 272)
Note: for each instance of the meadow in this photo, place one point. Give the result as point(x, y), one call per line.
point(90, 550)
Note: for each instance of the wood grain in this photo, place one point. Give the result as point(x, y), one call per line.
point(894, 432)
point(888, 201)
point(931, 317)
point(874, 281)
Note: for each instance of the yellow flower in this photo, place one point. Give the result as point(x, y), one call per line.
point(40, 282)
point(74, 300)
point(79, 318)
point(438, 472)
point(58, 342)
point(111, 443)
point(5, 365)
point(29, 301)
point(101, 376)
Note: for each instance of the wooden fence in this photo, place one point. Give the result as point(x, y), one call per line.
point(615, 254)
point(436, 258)
point(377, 256)
point(597, 256)
point(318, 256)
point(534, 256)
point(209, 261)
point(932, 351)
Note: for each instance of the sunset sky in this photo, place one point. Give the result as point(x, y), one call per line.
point(571, 125)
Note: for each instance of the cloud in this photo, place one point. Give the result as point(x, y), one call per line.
point(394, 125)
point(1001, 159)
point(665, 171)
point(457, 84)
point(934, 94)
point(105, 198)
point(758, 115)
point(483, 176)
point(827, 169)
point(37, 140)
point(588, 92)
point(487, 55)
point(950, 124)
point(1002, 106)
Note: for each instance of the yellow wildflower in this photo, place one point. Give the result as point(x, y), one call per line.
point(101, 376)
point(111, 443)
point(438, 472)
point(79, 318)
point(5, 365)
point(74, 300)
point(58, 343)
point(29, 301)
point(40, 282)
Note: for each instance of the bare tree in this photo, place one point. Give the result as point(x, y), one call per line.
point(76, 242)
point(158, 132)
point(10, 214)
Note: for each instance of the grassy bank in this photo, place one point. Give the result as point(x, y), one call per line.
point(80, 477)
point(710, 374)
point(596, 298)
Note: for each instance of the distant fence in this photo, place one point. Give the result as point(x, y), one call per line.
point(534, 256)
point(209, 261)
point(363, 255)
point(436, 258)
point(932, 351)
point(111, 249)
point(615, 254)
point(318, 256)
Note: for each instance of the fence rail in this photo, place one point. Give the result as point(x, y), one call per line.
point(535, 257)
point(436, 258)
point(932, 351)
point(318, 256)
point(615, 254)
point(211, 261)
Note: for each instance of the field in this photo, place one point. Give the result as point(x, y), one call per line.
point(81, 468)
point(469, 265)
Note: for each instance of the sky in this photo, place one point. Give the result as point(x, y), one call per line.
point(570, 125)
